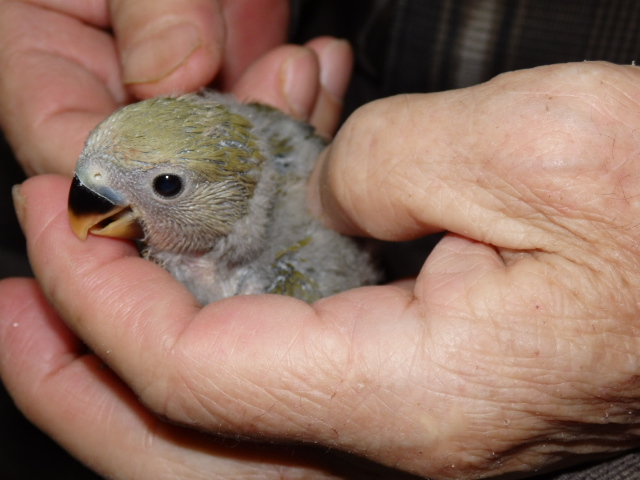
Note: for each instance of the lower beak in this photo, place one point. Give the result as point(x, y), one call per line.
point(90, 212)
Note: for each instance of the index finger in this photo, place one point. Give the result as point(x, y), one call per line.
point(168, 47)
point(54, 87)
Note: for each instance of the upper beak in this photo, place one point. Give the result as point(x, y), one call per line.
point(91, 212)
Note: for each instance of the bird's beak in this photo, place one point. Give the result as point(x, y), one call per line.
point(90, 212)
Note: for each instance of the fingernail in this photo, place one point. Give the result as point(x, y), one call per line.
point(334, 78)
point(159, 53)
point(296, 93)
point(19, 203)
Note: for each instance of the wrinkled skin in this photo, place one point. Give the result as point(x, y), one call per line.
point(516, 345)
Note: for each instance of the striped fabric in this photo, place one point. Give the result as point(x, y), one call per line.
point(430, 45)
point(474, 40)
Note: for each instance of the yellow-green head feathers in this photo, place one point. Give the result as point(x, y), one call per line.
point(205, 136)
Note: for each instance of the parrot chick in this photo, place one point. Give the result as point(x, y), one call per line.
point(215, 191)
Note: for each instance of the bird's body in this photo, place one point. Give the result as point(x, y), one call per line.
point(216, 192)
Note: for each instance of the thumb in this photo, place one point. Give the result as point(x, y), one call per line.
point(395, 167)
point(168, 47)
point(499, 163)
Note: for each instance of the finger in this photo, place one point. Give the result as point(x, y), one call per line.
point(305, 82)
point(336, 62)
point(168, 47)
point(456, 265)
point(253, 29)
point(107, 325)
point(516, 162)
point(73, 397)
point(35, 215)
point(388, 172)
point(286, 78)
point(54, 88)
point(41, 359)
point(93, 12)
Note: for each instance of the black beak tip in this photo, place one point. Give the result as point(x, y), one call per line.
point(83, 200)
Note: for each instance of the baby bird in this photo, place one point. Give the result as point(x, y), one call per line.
point(215, 192)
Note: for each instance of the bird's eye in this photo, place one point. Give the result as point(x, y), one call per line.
point(167, 185)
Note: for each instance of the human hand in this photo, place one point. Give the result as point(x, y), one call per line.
point(63, 72)
point(515, 347)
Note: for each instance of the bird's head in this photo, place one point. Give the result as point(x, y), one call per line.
point(178, 173)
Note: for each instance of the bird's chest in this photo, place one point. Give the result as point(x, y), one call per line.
point(209, 280)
